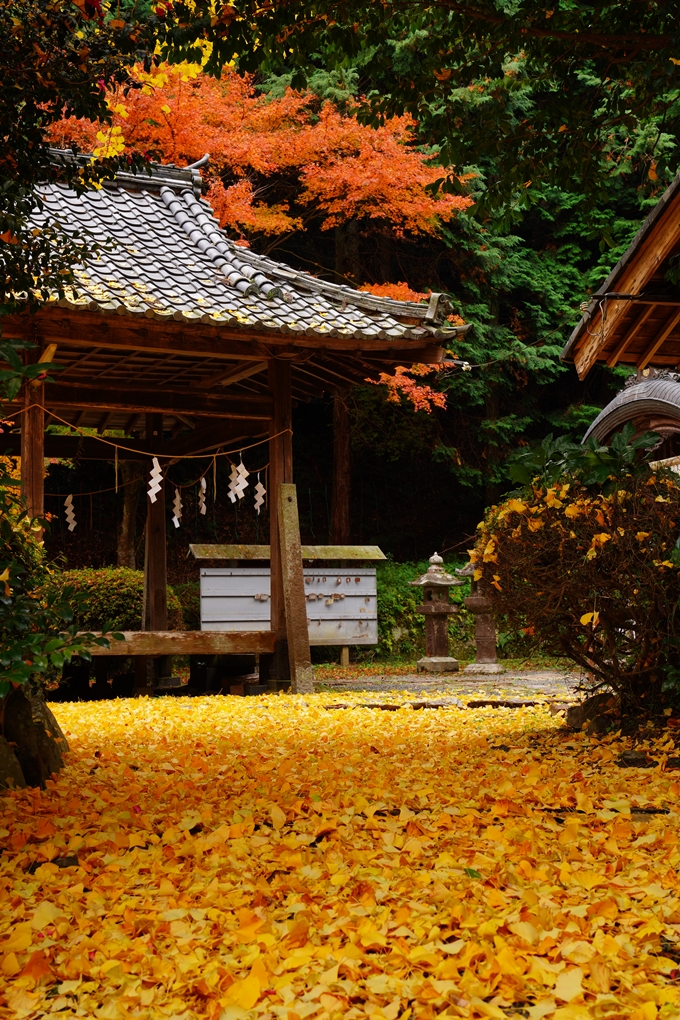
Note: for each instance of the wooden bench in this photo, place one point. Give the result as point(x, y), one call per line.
point(189, 642)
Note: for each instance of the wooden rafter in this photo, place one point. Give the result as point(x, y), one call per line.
point(230, 375)
point(159, 401)
point(629, 335)
point(664, 332)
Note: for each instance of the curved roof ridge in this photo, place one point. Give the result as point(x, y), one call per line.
point(656, 394)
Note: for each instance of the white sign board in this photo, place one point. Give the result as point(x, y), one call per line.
point(341, 604)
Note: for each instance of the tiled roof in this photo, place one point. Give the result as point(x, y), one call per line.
point(167, 258)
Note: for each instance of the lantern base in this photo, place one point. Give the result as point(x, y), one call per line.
point(437, 664)
point(484, 667)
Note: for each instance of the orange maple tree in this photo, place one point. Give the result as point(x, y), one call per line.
point(342, 171)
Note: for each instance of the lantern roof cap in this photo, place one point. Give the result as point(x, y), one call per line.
point(466, 571)
point(435, 576)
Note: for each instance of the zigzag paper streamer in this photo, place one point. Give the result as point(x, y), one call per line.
point(233, 483)
point(70, 515)
point(241, 484)
point(177, 507)
point(155, 480)
point(260, 493)
point(237, 481)
point(202, 507)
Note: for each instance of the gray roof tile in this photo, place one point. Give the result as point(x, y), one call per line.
point(169, 258)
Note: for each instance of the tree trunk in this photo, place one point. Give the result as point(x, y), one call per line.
point(342, 471)
point(131, 479)
point(32, 743)
point(347, 260)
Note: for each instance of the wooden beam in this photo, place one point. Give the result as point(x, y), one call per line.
point(432, 354)
point(47, 354)
point(280, 472)
point(206, 551)
point(120, 332)
point(205, 440)
point(91, 448)
point(629, 335)
point(231, 375)
point(658, 340)
point(329, 378)
point(189, 422)
point(211, 405)
point(33, 450)
point(77, 448)
point(155, 557)
point(189, 642)
point(655, 247)
point(297, 631)
point(85, 328)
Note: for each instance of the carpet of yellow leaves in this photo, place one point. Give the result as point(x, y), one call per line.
point(268, 858)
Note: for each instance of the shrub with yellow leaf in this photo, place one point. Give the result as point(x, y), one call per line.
point(586, 561)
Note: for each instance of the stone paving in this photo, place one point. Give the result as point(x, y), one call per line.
point(541, 685)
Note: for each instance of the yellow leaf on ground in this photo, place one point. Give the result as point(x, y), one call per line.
point(278, 816)
point(245, 993)
point(568, 985)
point(45, 915)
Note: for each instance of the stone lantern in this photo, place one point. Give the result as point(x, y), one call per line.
point(436, 609)
point(485, 630)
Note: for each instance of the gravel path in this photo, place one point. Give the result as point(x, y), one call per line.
point(552, 685)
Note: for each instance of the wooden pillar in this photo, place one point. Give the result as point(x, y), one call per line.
point(157, 573)
point(342, 471)
point(299, 658)
point(33, 450)
point(280, 472)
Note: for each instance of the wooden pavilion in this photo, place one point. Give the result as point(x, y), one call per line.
point(189, 343)
point(634, 317)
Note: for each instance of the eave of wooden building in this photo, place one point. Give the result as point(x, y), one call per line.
point(634, 317)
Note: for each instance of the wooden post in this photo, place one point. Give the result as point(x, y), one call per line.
point(33, 450)
point(280, 472)
point(299, 658)
point(342, 471)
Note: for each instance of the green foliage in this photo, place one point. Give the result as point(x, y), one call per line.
point(591, 464)
point(110, 597)
point(37, 627)
point(37, 631)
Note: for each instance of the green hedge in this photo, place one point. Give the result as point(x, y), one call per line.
point(113, 596)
